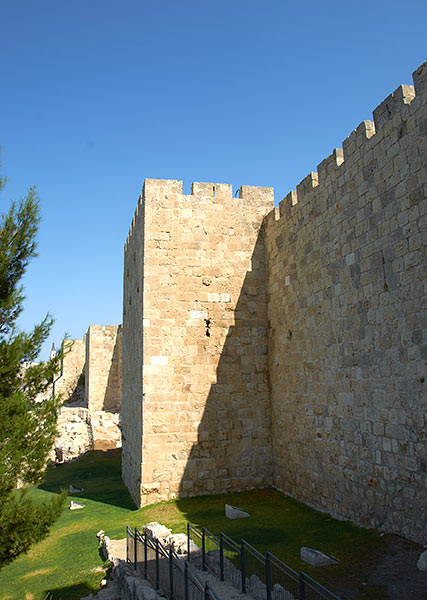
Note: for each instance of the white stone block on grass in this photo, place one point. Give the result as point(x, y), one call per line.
point(232, 512)
point(76, 505)
point(315, 558)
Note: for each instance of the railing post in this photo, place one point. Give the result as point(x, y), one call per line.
point(145, 556)
point(157, 566)
point(207, 595)
point(186, 580)
point(302, 586)
point(243, 566)
point(268, 575)
point(221, 557)
point(188, 540)
point(203, 550)
point(171, 573)
point(135, 549)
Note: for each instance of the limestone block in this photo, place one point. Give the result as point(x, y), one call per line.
point(232, 512)
point(315, 558)
point(178, 542)
point(157, 531)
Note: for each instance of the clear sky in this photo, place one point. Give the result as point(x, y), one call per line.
point(97, 95)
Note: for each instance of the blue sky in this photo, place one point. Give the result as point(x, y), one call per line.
point(98, 95)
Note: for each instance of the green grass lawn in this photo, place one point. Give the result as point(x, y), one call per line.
point(67, 565)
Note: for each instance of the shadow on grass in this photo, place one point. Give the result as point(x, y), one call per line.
point(97, 472)
point(69, 592)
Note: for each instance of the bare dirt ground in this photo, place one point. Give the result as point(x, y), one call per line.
point(394, 576)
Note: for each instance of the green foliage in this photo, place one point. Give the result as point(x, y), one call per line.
point(28, 425)
point(19, 517)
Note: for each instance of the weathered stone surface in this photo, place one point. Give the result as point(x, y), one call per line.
point(280, 593)
point(257, 588)
point(113, 550)
point(198, 351)
point(157, 531)
point(178, 543)
point(80, 430)
point(315, 558)
point(103, 368)
point(106, 430)
point(76, 505)
point(74, 434)
point(422, 561)
point(232, 512)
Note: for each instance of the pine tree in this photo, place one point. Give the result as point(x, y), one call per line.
point(27, 425)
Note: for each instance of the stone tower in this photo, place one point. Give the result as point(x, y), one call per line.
point(196, 416)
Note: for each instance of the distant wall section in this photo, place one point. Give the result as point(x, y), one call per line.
point(103, 367)
point(70, 384)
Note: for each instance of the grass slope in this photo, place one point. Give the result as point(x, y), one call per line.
point(67, 565)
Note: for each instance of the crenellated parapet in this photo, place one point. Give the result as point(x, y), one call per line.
point(346, 274)
point(163, 192)
point(388, 118)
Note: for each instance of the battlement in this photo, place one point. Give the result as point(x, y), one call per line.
point(390, 114)
point(164, 189)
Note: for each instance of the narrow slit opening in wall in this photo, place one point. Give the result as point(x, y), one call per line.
point(208, 325)
point(213, 191)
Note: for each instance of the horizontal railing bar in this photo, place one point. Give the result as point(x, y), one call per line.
point(254, 551)
point(211, 535)
point(231, 542)
point(283, 567)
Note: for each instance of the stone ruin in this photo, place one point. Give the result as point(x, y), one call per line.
point(90, 383)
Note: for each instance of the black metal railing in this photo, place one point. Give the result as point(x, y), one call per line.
point(167, 572)
point(265, 577)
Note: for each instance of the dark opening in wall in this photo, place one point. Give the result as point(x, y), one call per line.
point(208, 325)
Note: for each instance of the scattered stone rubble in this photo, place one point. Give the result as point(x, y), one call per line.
point(74, 434)
point(81, 430)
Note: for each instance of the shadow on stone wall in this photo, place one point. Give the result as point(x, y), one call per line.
point(233, 449)
point(113, 392)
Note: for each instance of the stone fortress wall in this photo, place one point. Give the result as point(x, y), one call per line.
point(195, 342)
point(90, 383)
point(70, 383)
point(347, 327)
point(286, 346)
point(103, 367)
